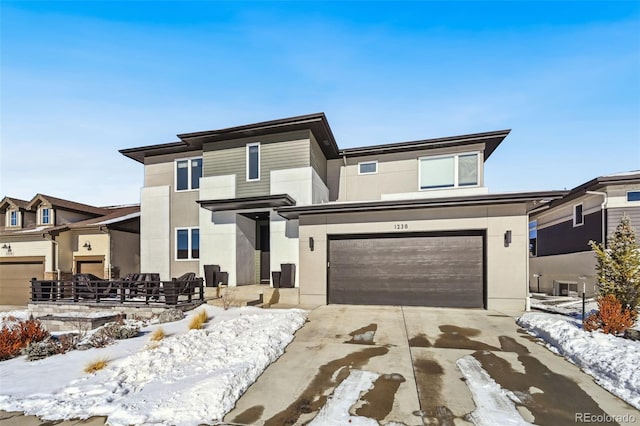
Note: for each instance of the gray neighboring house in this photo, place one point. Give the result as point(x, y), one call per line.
point(561, 259)
point(408, 223)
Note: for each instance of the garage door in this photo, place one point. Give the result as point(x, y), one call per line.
point(94, 267)
point(15, 277)
point(411, 269)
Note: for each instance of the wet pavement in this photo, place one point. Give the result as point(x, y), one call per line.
point(415, 352)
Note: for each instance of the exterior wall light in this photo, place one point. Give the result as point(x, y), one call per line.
point(87, 245)
point(507, 238)
point(311, 243)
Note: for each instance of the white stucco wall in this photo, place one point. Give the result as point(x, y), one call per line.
point(155, 231)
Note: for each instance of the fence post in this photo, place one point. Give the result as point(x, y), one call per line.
point(33, 290)
point(201, 287)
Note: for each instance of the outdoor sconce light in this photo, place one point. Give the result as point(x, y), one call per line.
point(507, 238)
point(311, 243)
point(87, 245)
point(7, 246)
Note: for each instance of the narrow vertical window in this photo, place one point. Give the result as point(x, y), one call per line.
point(253, 161)
point(578, 216)
point(468, 169)
point(196, 172)
point(13, 218)
point(182, 175)
point(182, 244)
point(45, 216)
point(195, 243)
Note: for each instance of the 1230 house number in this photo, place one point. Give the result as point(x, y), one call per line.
point(400, 226)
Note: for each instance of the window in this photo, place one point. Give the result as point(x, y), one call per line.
point(367, 168)
point(13, 218)
point(633, 196)
point(253, 161)
point(187, 243)
point(45, 218)
point(578, 217)
point(188, 174)
point(449, 171)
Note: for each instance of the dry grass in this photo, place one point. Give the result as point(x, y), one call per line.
point(158, 334)
point(198, 320)
point(96, 365)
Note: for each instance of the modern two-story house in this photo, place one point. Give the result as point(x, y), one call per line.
point(561, 258)
point(52, 238)
point(407, 223)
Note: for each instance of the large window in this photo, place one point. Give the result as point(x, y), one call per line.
point(253, 161)
point(45, 216)
point(188, 174)
point(633, 196)
point(449, 171)
point(187, 243)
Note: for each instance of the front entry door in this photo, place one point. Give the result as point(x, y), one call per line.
point(265, 255)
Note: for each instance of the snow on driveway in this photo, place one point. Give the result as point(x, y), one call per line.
point(191, 377)
point(612, 361)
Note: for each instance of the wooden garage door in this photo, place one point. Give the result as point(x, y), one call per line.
point(414, 270)
point(15, 280)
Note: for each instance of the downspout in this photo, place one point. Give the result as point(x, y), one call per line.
point(56, 253)
point(105, 230)
point(346, 192)
point(602, 209)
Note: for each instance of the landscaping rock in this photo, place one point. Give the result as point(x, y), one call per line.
point(632, 334)
point(170, 315)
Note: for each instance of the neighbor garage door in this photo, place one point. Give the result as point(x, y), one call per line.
point(15, 277)
point(407, 269)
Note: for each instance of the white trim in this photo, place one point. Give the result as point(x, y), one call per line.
point(627, 196)
point(18, 219)
point(368, 162)
point(189, 230)
point(41, 215)
point(249, 145)
point(576, 224)
point(189, 168)
point(456, 178)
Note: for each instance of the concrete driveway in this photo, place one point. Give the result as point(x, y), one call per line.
point(415, 351)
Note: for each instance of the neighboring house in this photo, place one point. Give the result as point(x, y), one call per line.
point(561, 259)
point(52, 238)
point(406, 223)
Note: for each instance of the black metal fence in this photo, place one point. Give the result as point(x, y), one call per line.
point(174, 292)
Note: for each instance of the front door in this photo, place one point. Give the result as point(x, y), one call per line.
point(265, 255)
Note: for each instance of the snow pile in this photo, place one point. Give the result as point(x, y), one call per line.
point(494, 405)
point(612, 361)
point(10, 318)
point(189, 378)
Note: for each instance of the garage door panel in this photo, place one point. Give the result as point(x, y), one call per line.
point(15, 281)
point(444, 270)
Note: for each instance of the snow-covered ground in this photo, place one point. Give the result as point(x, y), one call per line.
point(190, 377)
point(565, 305)
point(612, 361)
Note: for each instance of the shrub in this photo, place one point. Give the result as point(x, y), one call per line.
point(158, 334)
point(39, 350)
point(13, 339)
point(618, 265)
point(96, 365)
point(198, 320)
point(611, 316)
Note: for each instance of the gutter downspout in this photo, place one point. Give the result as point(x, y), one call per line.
point(105, 230)
point(56, 253)
point(602, 208)
point(346, 179)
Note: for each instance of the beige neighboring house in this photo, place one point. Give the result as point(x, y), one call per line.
point(407, 223)
point(52, 238)
point(562, 261)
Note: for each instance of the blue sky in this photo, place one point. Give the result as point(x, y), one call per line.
point(80, 80)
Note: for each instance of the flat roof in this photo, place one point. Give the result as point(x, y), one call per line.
point(371, 206)
point(246, 203)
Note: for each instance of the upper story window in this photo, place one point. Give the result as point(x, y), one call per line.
point(633, 196)
point(368, 168)
point(449, 171)
point(188, 174)
point(187, 243)
point(13, 219)
point(45, 216)
point(578, 215)
point(253, 161)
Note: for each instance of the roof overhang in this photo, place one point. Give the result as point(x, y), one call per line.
point(491, 140)
point(532, 199)
point(248, 203)
point(317, 123)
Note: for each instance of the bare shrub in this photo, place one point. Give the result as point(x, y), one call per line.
point(96, 365)
point(611, 316)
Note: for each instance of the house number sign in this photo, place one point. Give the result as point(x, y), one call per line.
point(400, 226)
